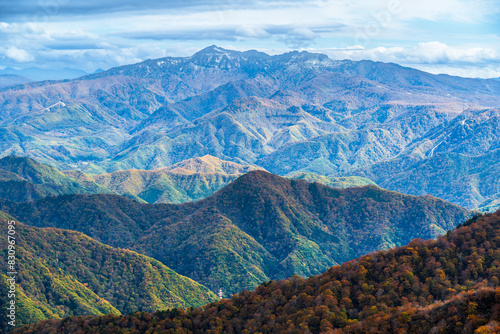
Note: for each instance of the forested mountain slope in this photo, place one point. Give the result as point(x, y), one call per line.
point(448, 285)
point(63, 273)
point(288, 113)
point(259, 227)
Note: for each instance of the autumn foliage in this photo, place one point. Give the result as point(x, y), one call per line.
point(425, 287)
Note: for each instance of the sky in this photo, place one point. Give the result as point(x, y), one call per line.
point(439, 36)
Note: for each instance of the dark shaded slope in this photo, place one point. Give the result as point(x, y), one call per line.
point(425, 287)
point(261, 226)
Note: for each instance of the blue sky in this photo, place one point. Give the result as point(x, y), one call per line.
point(440, 36)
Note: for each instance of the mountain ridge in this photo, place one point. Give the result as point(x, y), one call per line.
point(63, 273)
point(258, 227)
point(23, 180)
point(442, 285)
point(289, 113)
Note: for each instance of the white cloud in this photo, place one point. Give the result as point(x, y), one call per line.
point(109, 33)
point(253, 31)
point(469, 71)
point(423, 53)
point(436, 52)
point(303, 33)
point(434, 57)
point(18, 55)
point(387, 11)
point(456, 10)
point(91, 59)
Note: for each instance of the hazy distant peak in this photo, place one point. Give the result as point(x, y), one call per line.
point(306, 58)
point(214, 56)
point(213, 49)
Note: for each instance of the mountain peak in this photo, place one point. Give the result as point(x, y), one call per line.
point(212, 49)
point(216, 56)
point(210, 164)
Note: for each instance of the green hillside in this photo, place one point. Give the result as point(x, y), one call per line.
point(335, 182)
point(186, 181)
point(259, 227)
point(24, 179)
point(63, 273)
point(448, 285)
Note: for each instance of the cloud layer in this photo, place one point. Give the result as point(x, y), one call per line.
point(449, 36)
point(434, 57)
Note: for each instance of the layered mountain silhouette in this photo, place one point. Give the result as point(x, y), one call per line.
point(185, 181)
point(259, 227)
point(7, 80)
point(449, 285)
point(24, 179)
point(289, 113)
point(63, 273)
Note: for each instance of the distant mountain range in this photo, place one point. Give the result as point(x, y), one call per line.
point(23, 180)
point(335, 182)
point(449, 285)
point(12, 79)
point(258, 227)
point(64, 273)
point(40, 74)
point(297, 112)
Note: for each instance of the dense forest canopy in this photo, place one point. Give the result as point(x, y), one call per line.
point(259, 227)
point(447, 285)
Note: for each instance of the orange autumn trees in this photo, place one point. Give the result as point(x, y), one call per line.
point(443, 284)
